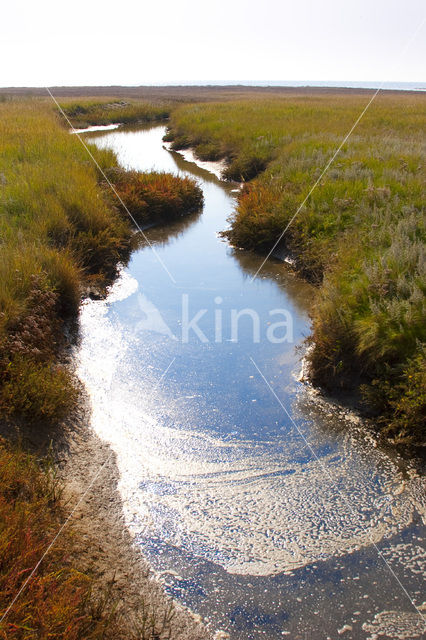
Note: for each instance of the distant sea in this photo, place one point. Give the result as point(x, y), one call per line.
point(367, 84)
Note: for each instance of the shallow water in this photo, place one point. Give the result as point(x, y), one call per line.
point(263, 510)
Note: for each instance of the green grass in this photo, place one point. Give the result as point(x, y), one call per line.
point(85, 112)
point(57, 230)
point(360, 236)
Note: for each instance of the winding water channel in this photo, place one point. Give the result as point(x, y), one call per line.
point(263, 510)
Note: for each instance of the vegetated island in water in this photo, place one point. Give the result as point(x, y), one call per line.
point(359, 237)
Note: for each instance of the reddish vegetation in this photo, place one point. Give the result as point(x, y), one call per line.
point(157, 197)
point(56, 600)
point(255, 205)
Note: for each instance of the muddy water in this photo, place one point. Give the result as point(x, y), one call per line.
point(262, 509)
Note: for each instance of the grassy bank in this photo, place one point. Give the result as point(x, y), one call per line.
point(61, 230)
point(57, 601)
point(58, 231)
point(360, 235)
point(86, 111)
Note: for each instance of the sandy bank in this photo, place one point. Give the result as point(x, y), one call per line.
point(105, 549)
point(109, 551)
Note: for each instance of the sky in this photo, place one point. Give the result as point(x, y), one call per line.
point(93, 42)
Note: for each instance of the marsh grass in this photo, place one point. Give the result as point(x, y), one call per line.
point(57, 601)
point(360, 236)
point(86, 111)
point(60, 230)
point(57, 229)
point(156, 196)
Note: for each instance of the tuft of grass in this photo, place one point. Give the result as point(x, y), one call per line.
point(32, 383)
point(37, 390)
point(156, 196)
point(360, 236)
point(148, 625)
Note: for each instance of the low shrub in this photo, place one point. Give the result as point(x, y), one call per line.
point(157, 197)
point(57, 601)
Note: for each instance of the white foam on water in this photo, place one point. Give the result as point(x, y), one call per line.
point(246, 505)
point(396, 624)
point(410, 556)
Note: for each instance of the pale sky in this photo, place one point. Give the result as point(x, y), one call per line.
point(125, 42)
